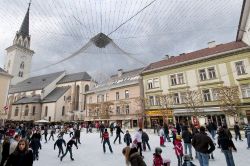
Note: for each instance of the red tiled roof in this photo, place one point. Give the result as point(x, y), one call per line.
point(206, 52)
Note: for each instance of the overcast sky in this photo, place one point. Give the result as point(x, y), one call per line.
point(58, 28)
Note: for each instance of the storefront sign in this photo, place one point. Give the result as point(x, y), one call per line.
point(159, 113)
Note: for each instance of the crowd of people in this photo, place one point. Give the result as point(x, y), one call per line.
point(20, 144)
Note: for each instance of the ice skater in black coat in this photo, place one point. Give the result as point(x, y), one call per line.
point(59, 144)
point(118, 133)
point(35, 146)
point(6, 150)
point(69, 148)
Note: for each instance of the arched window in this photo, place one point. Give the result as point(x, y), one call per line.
point(16, 111)
point(63, 111)
point(19, 41)
point(77, 97)
point(22, 65)
point(46, 111)
point(25, 43)
point(86, 88)
point(26, 111)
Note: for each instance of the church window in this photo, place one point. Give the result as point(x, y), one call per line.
point(26, 111)
point(22, 65)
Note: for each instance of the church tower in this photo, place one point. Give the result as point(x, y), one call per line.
point(19, 55)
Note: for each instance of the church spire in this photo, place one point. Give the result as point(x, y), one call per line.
point(24, 29)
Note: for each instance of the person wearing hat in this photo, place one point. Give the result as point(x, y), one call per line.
point(157, 159)
point(178, 149)
point(187, 160)
point(69, 148)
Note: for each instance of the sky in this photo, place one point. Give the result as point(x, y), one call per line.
point(142, 31)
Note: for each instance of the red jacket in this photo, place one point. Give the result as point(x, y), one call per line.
point(178, 148)
point(157, 160)
point(105, 135)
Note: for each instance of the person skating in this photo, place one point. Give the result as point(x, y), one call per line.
point(145, 140)
point(5, 150)
point(69, 148)
point(247, 133)
point(45, 133)
point(203, 145)
point(101, 127)
point(138, 138)
point(78, 135)
point(127, 138)
point(105, 139)
point(71, 131)
point(35, 146)
point(226, 146)
point(52, 132)
point(187, 161)
point(161, 133)
point(178, 149)
point(22, 156)
point(187, 139)
point(157, 159)
point(118, 133)
point(237, 131)
point(59, 142)
point(111, 129)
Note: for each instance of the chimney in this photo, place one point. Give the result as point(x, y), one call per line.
point(182, 54)
point(211, 44)
point(120, 71)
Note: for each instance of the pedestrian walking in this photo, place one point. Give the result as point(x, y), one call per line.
point(127, 138)
point(105, 140)
point(59, 143)
point(69, 148)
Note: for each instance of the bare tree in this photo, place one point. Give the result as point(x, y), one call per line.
point(103, 109)
point(229, 99)
point(165, 101)
point(192, 99)
point(142, 103)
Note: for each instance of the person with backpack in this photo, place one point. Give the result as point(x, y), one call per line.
point(105, 140)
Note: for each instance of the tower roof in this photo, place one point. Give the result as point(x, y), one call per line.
point(24, 29)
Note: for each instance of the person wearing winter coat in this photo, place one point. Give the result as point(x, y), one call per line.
point(203, 145)
point(14, 143)
point(161, 133)
point(118, 133)
point(138, 138)
point(157, 159)
point(187, 161)
point(145, 140)
point(187, 139)
point(227, 146)
point(5, 150)
point(105, 139)
point(69, 148)
point(52, 132)
point(22, 156)
point(133, 157)
point(178, 149)
point(237, 131)
point(127, 138)
point(247, 131)
point(45, 133)
point(78, 135)
point(59, 142)
point(166, 133)
point(35, 146)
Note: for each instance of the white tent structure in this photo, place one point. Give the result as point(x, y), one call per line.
point(42, 121)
